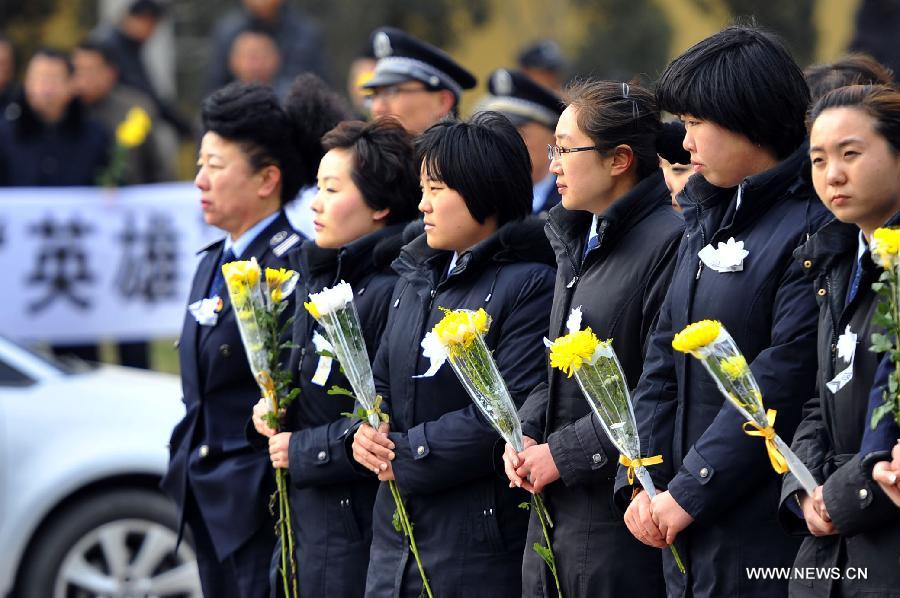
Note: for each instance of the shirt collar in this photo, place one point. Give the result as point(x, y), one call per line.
point(862, 248)
point(540, 190)
point(240, 245)
point(592, 232)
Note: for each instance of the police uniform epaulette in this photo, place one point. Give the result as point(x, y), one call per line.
point(284, 240)
point(214, 245)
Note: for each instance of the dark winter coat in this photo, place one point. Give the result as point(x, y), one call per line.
point(72, 152)
point(619, 286)
point(828, 439)
point(713, 470)
point(331, 500)
point(467, 522)
point(210, 455)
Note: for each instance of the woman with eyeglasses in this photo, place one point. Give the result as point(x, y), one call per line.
point(742, 99)
point(479, 250)
point(615, 236)
point(854, 146)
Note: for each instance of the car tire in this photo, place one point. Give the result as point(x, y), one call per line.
point(118, 543)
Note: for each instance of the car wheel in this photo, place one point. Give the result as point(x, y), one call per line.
point(119, 543)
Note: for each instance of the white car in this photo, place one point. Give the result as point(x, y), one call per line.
point(82, 453)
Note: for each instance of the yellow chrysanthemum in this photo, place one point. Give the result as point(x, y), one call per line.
point(569, 352)
point(459, 327)
point(734, 367)
point(696, 335)
point(886, 246)
point(246, 272)
point(276, 279)
point(132, 131)
point(311, 308)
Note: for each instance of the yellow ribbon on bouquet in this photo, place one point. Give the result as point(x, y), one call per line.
point(779, 463)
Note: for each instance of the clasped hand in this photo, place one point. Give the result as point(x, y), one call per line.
point(532, 469)
point(657, 521)
point(374, 450)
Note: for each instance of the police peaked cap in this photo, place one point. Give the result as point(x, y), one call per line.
point(518, 97)
point(401, 57)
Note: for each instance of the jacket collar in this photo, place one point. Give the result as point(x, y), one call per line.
point(517, 241)
point(761, 191)
point(832, 243)
point(646, 196)
point(368, 254)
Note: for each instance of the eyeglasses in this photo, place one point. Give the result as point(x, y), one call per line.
point(554, 152)
point(390, 92)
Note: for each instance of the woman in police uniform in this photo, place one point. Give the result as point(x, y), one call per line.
point(247, 170)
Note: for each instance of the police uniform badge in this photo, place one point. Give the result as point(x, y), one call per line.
point(381, 45)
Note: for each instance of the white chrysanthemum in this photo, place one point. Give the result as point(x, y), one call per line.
point(333, 298)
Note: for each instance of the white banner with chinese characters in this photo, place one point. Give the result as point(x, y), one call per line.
point(81, 264)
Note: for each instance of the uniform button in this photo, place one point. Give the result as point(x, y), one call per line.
point(821, 292)
point(807, 263)
point(596, 457)
point(704, 473)
point(420, 450)
point(863, 494)
point(204, 451)
point(225, 350)
point(322, 455)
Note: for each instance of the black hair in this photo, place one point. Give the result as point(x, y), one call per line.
point(55, 54)
point(147, 8)
point(743, 79)
point(484, 160)
point(669, 145)
point(850, 69)
point(881, 102)
point(251, 116)
point(612, 113)
point(314, 109)
point(383, 164)
point(101, 48)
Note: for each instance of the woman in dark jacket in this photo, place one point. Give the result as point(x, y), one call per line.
point(368, 190)
point(615, 195)
point(219, 482)
point(742, 99)
point(477, 252)
point(855, 153)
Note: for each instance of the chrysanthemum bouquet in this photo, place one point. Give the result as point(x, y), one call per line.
point(599, 375)
point(459, 339)
point(709, 341)
point(334, 309)
point(886, 252)
point(258, 302)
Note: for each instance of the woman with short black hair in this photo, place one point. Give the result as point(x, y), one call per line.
point(245, 176)
point(615, 237)
point(742, 100)
point(478, 251)
point(367, 192)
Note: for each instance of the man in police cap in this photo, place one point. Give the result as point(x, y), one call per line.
point(534, 110)
point(414, 81)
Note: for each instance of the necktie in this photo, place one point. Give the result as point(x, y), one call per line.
point(219, 279)
point(854, 282)
point(592, 244)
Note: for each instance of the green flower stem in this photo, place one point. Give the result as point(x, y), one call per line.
point(544, 518)
point(408, 532)
point(677, 558)
point(288, 560)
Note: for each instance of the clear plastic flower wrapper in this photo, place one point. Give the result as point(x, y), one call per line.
point(459, 339)
point(258, 303)
point(599, 376)
point(334, 310)
point(710, 342)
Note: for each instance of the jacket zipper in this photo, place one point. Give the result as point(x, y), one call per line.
point(575, 269)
